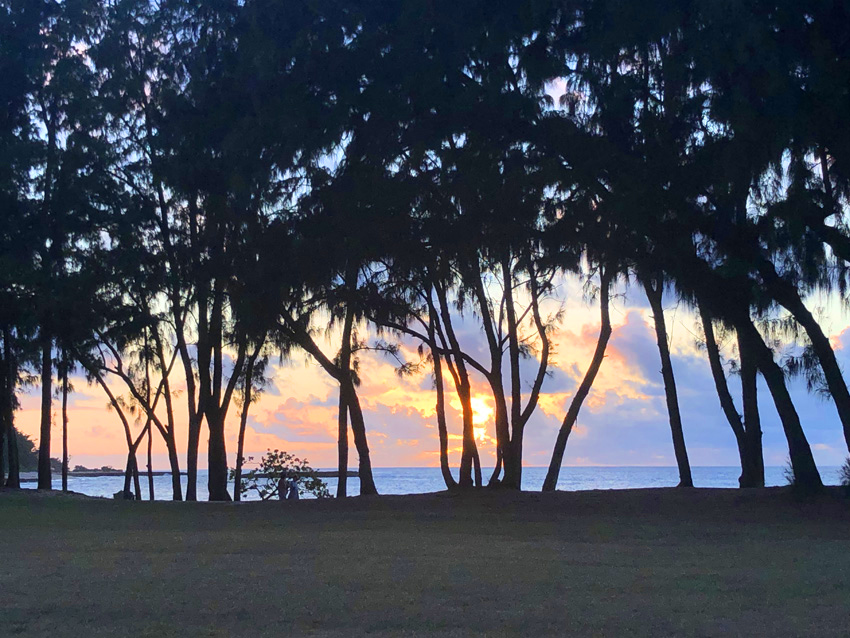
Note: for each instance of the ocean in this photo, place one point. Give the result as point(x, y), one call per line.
point(418, 480)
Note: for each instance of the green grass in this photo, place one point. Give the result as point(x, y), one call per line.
point(643, 562)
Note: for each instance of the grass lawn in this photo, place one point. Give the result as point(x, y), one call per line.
point(642, 562)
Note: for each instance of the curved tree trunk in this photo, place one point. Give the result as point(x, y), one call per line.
point(655, 296)
point(501, 422)
point(131, 473)
point(494, 477)
point(131, 478)
point(551, 480)
point(45, 477)
point(727, 404)
point(342, 445)
point(193, 405)
point(128, 476)
point(495, 378)
point(464, 392)
point(243, 423)
point(806, 475)
point(788, 295)
point(174, 464)
point(442, 429)
point(433, 327)
point(355, 412)
point(752, 421)
point(358, 429)
point(168, 432)
point(344, 362)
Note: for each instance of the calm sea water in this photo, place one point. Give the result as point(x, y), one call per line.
point(418, 480)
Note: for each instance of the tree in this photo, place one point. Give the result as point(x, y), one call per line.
point(551, 480)
point(751, 475)
point(654, 287)
point(251, 387)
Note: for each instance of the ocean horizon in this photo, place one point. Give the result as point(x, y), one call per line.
point(422, 480)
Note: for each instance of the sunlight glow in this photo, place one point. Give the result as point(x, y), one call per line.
point(482, 413)
point(481, 410)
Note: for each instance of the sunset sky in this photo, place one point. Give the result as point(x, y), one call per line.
point(623, 421)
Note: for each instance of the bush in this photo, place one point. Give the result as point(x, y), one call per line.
point(264, 477)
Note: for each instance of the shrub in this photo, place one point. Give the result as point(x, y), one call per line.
point(265, 477)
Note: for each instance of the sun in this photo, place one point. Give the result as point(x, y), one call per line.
point(481, 415)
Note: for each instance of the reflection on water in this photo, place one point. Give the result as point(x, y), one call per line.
point(417, 480)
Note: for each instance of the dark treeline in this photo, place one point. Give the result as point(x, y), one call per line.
point(190, 188)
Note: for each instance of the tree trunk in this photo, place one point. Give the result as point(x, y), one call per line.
point(64, 421)
point(217, 457)
point(788, 295)
point(2, 453)
point(243, 423)
point(131, 473)
point(7, 417)
point(194, 425)
point(494, 477)
point(752, 422)
point(806, 475)
point(13, 480)
point(344, 360)
point(514, 478)
point(494, 377)
point(358, 429)
point(128, 475)
point(442, 428)
point(3, 399)
point(469, 449)
point(174, 463)
point(503, 438)
point(168, 431)
point(727, 404)
point(655, 295)
point(358, 426)
point(192, 458)
point(136, 484)
point(45, 477)
point(551, 480)
point(513, 462)
point(131, 476)
point(433, 327)
point(150, 463)
point(342, 445)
